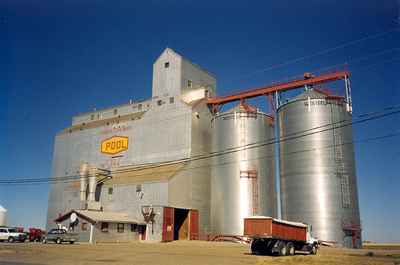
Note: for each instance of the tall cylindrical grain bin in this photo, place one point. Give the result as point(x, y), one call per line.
point(242, 180)
point(317, 167)
point(3, 216)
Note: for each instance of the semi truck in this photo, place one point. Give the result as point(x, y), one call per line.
point(270, 236)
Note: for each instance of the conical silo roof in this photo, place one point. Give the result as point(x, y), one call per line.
point(310, 93)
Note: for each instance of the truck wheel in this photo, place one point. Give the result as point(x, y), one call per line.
point(282, 249)
point(256, 247)
point(58, 241)
point(71, 242)
point(11, 239)
point(313, 250)
point(290, 249)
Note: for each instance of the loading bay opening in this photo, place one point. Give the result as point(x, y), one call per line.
point(180, 224)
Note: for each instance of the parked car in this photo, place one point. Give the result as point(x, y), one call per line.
point(59, 236)
point(11, 235)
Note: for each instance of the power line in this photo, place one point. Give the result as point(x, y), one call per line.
point(319, 53)
point(370, 139)
point(239, 148)
point(354, 60)
point(347, 62)
point(273, 140)
point(366, 117)
point(288, 137)
point(365, 67)
point(335, 125)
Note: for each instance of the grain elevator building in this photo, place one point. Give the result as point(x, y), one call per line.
point(177, 166)
point(101, 153)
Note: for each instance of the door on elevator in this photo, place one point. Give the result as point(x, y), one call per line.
point(193, 224)
point(168, 224)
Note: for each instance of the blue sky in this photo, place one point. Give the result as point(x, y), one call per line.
point(59, 58)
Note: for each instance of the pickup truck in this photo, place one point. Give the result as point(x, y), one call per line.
point(11, 235)
point(35, 234)
point(59, 236)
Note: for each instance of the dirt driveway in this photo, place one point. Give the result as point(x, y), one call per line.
point(176, 253)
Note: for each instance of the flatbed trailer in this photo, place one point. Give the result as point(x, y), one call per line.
point(270, 236)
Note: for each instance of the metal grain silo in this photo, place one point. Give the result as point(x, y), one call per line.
point(242, 182)
point(3, 216)
point(317, 167)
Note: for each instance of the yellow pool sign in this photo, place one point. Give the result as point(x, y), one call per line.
point(114, 145)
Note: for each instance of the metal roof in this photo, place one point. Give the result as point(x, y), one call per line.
point(128, 175)
point(312, 93)
point(167, 49)
point(99, 123)
point(100, 216)
point(309, 93)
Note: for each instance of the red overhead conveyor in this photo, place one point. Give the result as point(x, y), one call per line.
point(307, 80)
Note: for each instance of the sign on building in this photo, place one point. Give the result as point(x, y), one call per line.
point(114, 145)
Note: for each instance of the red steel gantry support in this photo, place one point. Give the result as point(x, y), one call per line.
point(308, 80)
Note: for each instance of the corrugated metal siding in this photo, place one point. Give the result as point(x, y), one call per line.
point(103, 114)
point(257, 227)
point(152, 139)
point(197, 77)
point(319, 186)
point(288, 232)
point(166, 81)
point(269, 228)
point(242, 182)
point(190, 188)
point(167, 130)
point(126, 199)
point(113, 235)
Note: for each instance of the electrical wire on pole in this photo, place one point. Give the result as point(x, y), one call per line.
point(391, 110)
point(74, 178)
point(316, 54)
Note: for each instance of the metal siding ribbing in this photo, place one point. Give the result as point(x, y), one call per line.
point(159, 136)
point(126, 199)
point(198, 78)
point(190, 188)
point(167, 80)
point(314, 167)
point(243, 182)
point(163, 129)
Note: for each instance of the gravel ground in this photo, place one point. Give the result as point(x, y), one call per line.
point(179, 252)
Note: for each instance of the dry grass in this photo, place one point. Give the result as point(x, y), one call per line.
point(331, 256)
point(183, 252)
point(388, 246)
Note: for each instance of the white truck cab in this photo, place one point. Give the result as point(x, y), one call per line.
point(310, 238)
point(11, 235)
